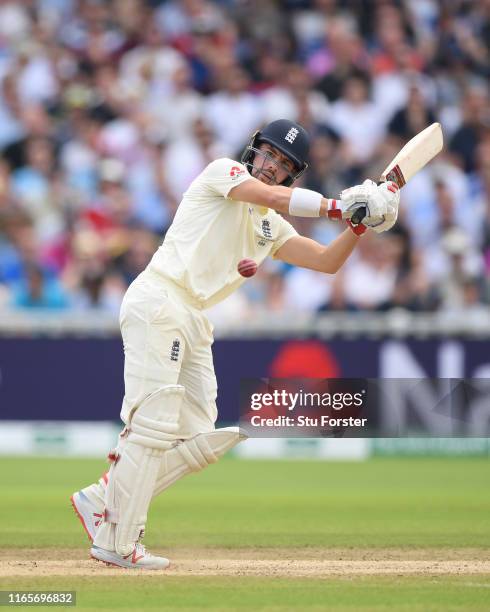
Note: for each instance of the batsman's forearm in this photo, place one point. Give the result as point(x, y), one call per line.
point(297, 202)
point(337, 252)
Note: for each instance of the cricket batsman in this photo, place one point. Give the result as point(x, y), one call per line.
point(230, 212)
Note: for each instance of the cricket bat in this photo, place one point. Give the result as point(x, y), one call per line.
point(416, 154)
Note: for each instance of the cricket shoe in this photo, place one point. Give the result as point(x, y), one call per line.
point(87, 513)
point(140, 558)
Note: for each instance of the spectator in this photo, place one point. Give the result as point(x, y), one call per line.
point(185, 158)
point(370, 278)
point(186, 103)
point(37, 290)
point(413, 118)
point(325, 172)
point(147, 69)
point(108, 110)
point(34, 184)
point(233, 112)
point(287, 99)
point(357, 120)
point(342, 56)
point(476, 122)
point(11, 126)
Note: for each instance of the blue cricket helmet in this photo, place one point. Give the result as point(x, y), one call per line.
point(289, 137)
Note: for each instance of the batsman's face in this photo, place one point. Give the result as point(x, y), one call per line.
point(271, 166)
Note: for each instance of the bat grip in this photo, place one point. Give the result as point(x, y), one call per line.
point(358, 215)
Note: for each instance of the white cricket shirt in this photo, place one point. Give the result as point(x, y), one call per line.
point(211, 233)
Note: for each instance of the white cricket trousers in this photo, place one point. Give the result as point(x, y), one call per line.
point(167, 340)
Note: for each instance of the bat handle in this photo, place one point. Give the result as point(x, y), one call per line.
point(358, 215)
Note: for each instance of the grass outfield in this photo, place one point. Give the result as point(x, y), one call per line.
point(398, 534)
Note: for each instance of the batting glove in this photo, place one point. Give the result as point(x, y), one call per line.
point(390, 195)
point(365, 195)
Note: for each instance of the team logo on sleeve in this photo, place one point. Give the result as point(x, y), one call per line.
point(236, 171)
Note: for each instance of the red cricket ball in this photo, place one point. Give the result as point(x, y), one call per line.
point(247, 267)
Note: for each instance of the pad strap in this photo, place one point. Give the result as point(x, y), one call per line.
point(151, 433)
point(195, 454)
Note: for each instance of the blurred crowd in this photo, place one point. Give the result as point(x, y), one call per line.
point(108, 109)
